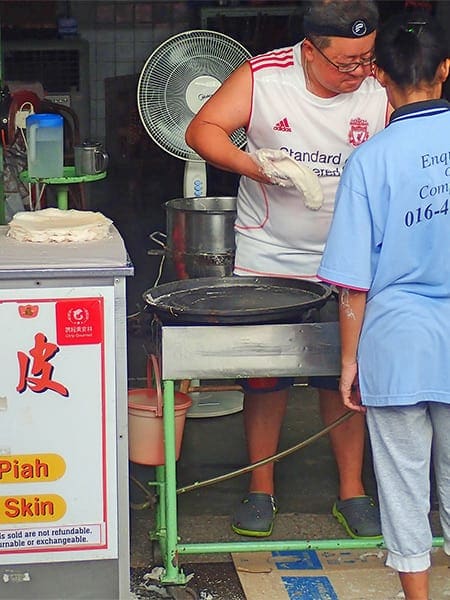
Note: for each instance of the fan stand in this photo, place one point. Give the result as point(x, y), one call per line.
point(199, 90)
point(194, 183)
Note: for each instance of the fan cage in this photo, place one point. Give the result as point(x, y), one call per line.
point(166, 75)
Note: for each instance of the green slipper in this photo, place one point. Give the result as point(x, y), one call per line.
point(255, 515)
point(359, 516)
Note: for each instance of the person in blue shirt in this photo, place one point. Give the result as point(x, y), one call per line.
point(388, 252)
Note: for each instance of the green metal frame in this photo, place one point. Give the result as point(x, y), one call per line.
point(166, 520)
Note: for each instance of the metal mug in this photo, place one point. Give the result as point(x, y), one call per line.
point(90, 158)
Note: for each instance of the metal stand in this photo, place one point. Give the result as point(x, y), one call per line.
point(62, 183)
point(229, 352)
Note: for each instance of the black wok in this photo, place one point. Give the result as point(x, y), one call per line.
point(236, 300)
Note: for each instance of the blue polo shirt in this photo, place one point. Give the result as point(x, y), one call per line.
point(390, 235)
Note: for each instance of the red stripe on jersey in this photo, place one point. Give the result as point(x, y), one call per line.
point(282, 52)
point(267, 65)
point(280, 58)
point(271, 57)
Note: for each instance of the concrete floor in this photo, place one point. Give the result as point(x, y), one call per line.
point(306, 481)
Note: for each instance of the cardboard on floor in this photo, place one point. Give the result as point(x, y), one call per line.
point(330, 575)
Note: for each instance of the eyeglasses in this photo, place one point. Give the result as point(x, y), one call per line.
point(349, 67)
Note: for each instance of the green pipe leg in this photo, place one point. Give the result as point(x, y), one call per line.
point(160, 515)
point(62, 196)
point(159, 533)
point(172, 574)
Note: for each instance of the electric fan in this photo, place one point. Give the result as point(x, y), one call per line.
point(177, 79)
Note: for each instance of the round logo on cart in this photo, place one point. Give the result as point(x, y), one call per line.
point(78, 316)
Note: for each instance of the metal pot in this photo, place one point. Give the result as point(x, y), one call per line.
point(200, 236)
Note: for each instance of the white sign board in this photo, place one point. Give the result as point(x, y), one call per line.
point(58, 475)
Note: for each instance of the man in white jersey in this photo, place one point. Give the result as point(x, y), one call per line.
point(316, 101)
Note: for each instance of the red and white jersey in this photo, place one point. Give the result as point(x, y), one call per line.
point(276, 235)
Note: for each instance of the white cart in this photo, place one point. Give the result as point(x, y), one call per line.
point(64, 530)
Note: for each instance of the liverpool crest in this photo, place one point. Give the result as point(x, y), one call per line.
point(359, 131)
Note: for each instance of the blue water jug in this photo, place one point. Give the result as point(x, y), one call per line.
point(45, 146)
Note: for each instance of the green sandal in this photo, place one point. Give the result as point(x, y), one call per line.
point(255, 515)
point(359, 516)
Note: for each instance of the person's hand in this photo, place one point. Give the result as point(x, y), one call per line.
point(267, 160)
point(349, 388)
point(284, 171)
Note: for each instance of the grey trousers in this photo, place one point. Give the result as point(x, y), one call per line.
point(403, 439)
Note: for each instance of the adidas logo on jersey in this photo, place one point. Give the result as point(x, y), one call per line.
point(282, 125)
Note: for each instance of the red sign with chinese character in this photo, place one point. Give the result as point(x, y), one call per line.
point(79, 321)
point(37, 373)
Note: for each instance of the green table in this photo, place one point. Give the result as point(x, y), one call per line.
point(62, 183)
point(231, 352)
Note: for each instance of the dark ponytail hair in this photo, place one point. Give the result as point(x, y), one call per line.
point(409, 47)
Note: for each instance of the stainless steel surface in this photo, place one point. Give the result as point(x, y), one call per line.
point(200, 236)
point(185, 266)
point(27, 260)
point(228, 352)
point(51, 273)
point(90, 158)
point(201, 224)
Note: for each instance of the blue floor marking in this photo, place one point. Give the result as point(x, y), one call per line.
point(298, 560)
point(309, 588)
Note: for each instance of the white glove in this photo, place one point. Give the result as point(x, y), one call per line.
point(284, 171)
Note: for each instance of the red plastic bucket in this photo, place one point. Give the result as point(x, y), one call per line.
point(145, 422)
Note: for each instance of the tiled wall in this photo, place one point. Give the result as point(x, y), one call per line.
point(121, 37)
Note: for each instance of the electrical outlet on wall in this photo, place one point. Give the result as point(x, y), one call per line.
point(21, 117)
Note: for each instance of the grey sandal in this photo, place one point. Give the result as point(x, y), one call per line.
point(359, 516)
point(255, 515)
